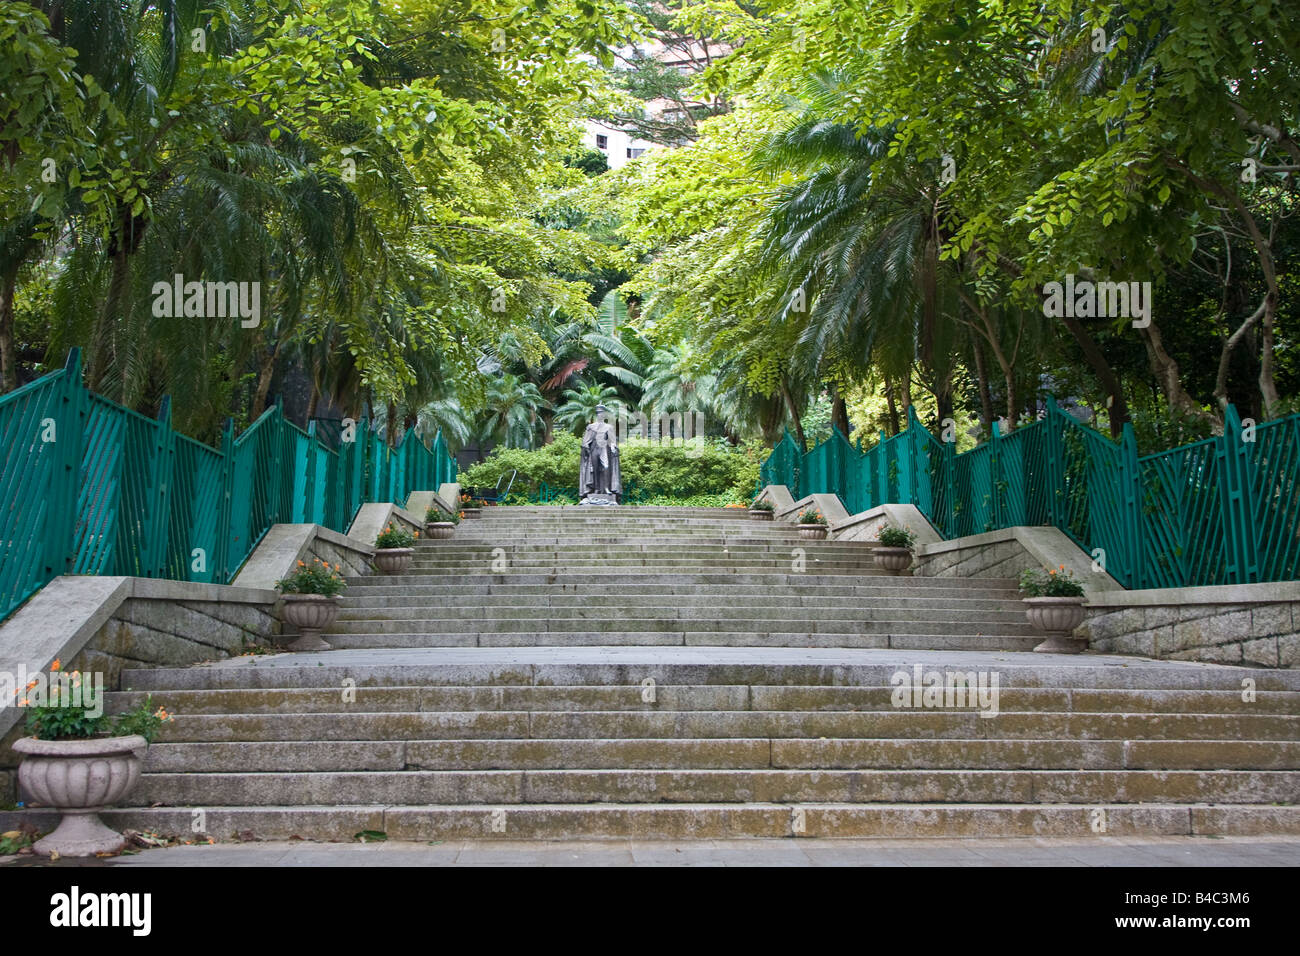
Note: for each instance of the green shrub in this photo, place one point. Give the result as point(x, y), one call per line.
point(812, 516)
point(679, 473)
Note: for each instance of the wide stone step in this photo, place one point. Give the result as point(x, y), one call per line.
point(689, 665)
point(720, 786)
point(667, 583)
point(669, 697)
point(909, 724)
point(408, 606)
point(668, 639)
point(666, 563)
point(725, 754)
point(614, 614)
point(658, 544)
point(884, 621)
point(436, 588)
point(594, 821)
point(433, 593)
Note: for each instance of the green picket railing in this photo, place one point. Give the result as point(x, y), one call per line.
point(1224, 510)
point(90, 487)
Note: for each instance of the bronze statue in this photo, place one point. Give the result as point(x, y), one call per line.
point(599, 479)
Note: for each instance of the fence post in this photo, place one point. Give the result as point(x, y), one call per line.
point(225, 500)
point(1130, 477)
point(950, 488)
point(1240, 536)
point(882, 470)
point(157, 515)
point(309, 485)
point(1054, 466)
point(911, 442)
point(995, 474)
point(70, 411)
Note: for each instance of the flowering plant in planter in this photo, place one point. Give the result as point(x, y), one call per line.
point(310, 602)
point(812, 524)
point(762, 504)
point(395, 549)
point(315, 578)
point(1054, 604)
point(436, 515)
point(1049, 582)
point(895, 551)
point(400, 537)
point(58, 718)
point(895, 537)
point(80, 760)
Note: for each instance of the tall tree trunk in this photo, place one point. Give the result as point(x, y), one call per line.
point(839, 412)
point(390, 429)
point(793, 409)
point(894, 425)
point(265, 372)
point(1264, 252)
point(943, 398)
point(315, 399)
point(982, 377)
point(101, 345)
point(1118, 408)
point(1165, 368)
point(8, 353)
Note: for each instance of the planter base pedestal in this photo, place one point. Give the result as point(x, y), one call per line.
point(309, 639)
point(1062, 644)
point(80, 833)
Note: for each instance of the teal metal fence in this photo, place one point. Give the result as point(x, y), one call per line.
point(1225, 510)
point(90, 487)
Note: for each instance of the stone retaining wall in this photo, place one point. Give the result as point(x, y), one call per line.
point(1234, 624)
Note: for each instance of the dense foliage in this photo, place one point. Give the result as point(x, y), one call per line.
point(670, 472)
point(856, 210)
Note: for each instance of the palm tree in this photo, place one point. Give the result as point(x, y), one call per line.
point(513, 413)
point(854, 246)
point(673, 383)
point(580, 406)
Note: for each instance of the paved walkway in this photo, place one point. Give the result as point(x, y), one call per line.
point(1102, 851)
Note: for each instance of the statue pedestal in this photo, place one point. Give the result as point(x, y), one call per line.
point(599, 499)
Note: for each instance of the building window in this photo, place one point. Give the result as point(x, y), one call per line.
point(634, 153)
point(602, 142)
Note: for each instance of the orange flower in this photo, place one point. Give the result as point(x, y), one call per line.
point(302, 564)
point(56, 665)
point(1061, 566)
point(338, 567)
point(23, 702)
point(30, 685)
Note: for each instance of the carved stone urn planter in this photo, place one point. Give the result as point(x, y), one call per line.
point(309, 614)
point(439, 529)
point(79, 777)
point(813, 531)
point(761, 514)
point(393, 560)
point(1057, 617)
point(893, 560)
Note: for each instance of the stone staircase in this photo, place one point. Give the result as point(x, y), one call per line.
point(611, 577)
point(664, 673)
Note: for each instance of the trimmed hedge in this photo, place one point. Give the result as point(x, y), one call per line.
point(666, 471)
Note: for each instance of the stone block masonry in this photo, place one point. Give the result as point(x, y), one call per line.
point(1250, 624)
